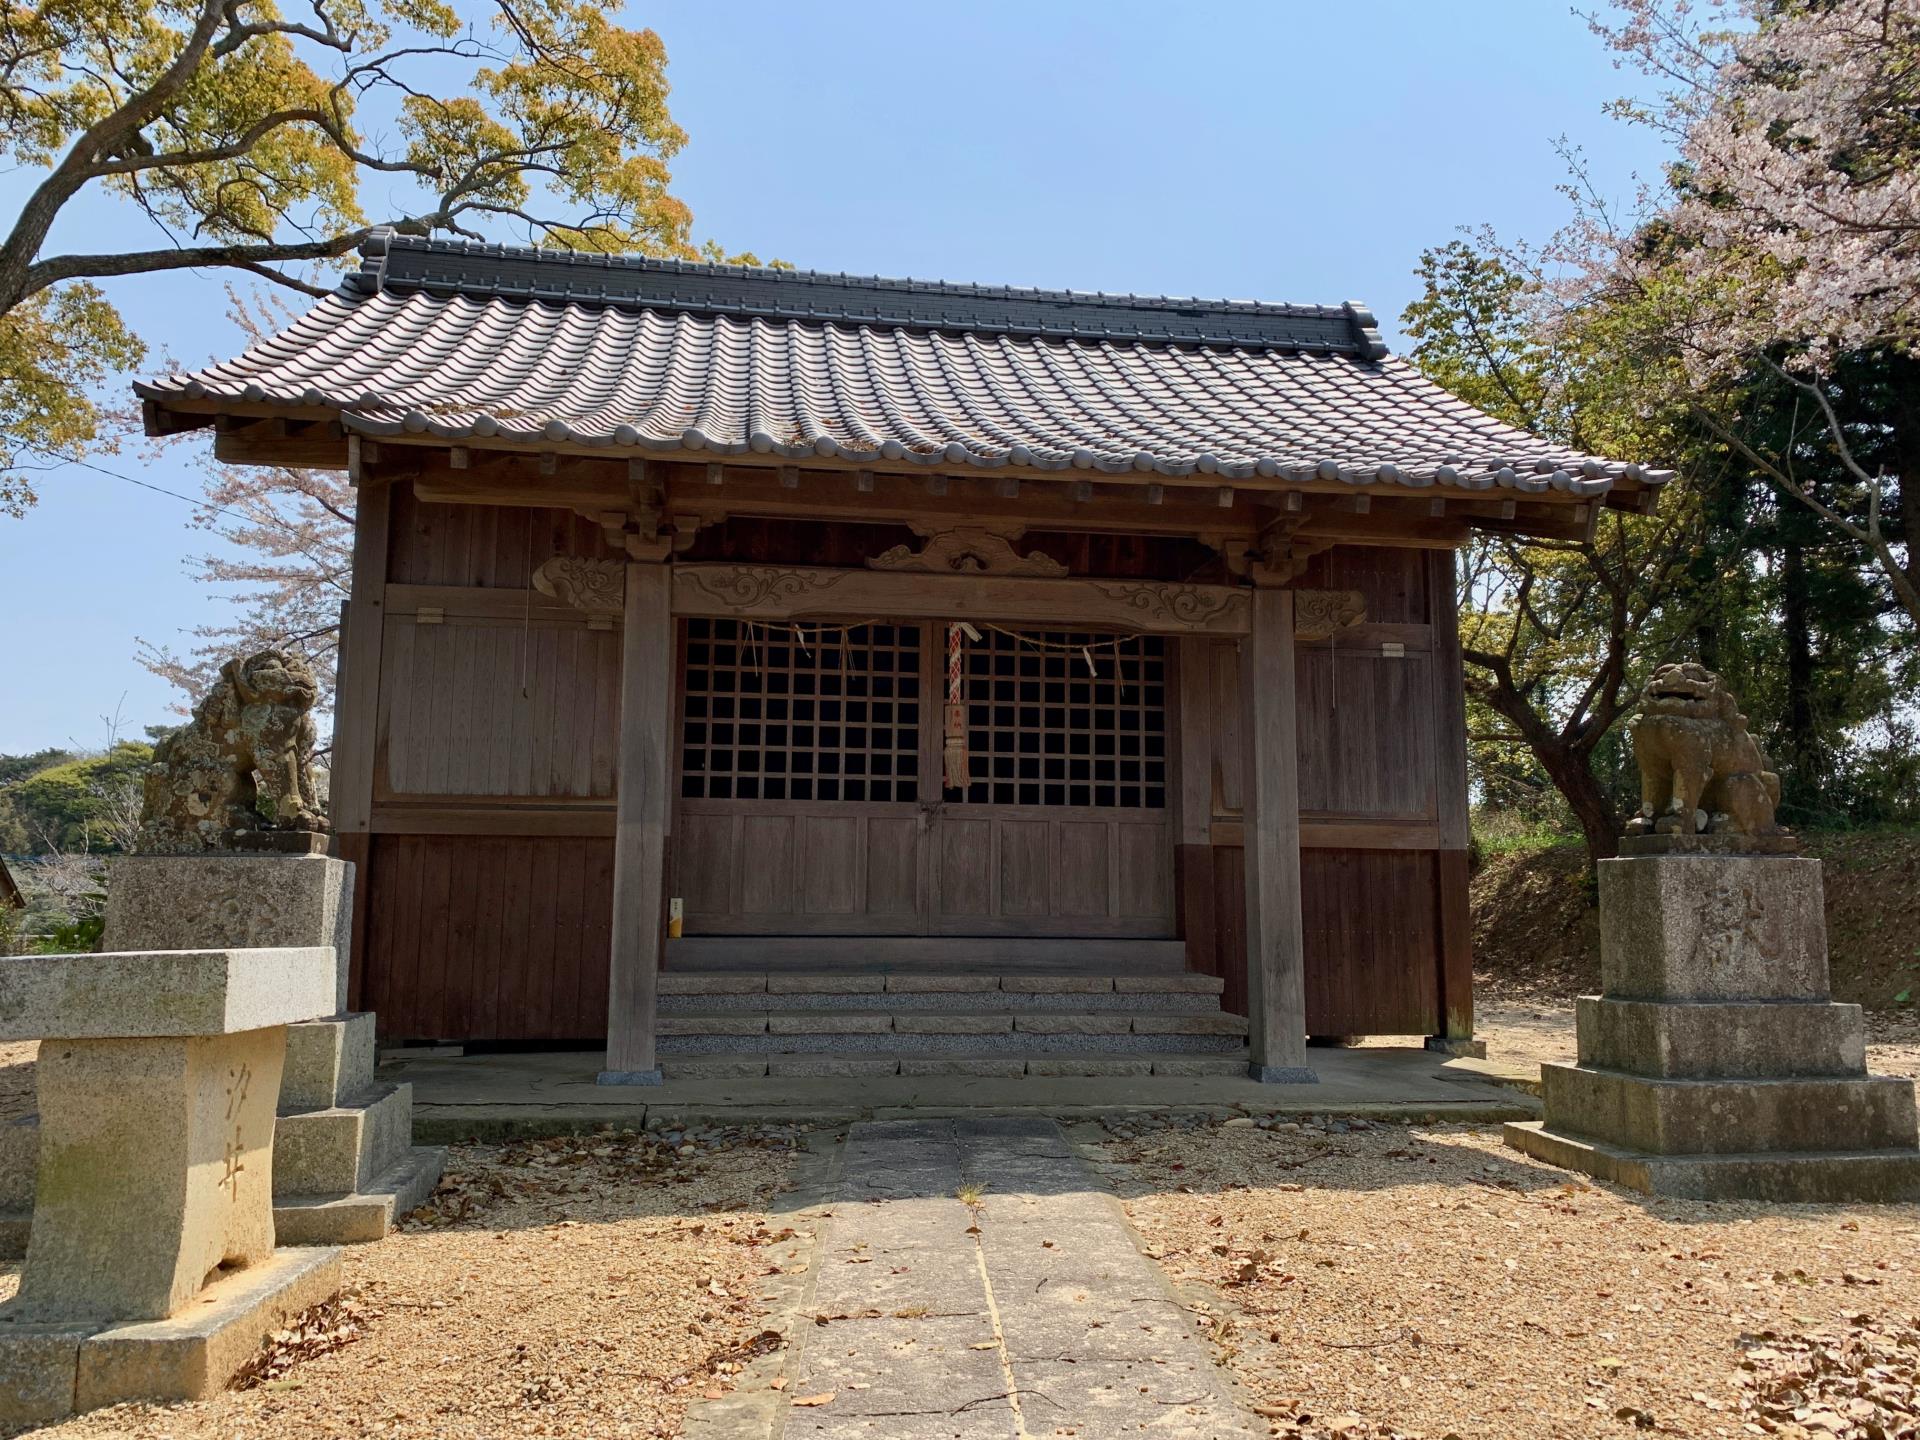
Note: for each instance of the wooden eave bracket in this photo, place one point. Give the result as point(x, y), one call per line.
point(157, 420)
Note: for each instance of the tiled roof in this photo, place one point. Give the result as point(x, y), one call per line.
point(477, 342)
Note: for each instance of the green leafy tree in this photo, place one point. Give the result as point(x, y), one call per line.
point(244, 137)
point(88, 804)
point(1555, 633)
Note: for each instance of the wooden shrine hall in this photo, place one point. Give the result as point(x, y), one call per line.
point(776, 672)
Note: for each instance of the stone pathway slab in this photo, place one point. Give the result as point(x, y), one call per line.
point(975, 1281)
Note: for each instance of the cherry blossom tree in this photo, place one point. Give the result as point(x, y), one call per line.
point(1786, 241)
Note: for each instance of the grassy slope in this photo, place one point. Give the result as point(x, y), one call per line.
point(1535, 932)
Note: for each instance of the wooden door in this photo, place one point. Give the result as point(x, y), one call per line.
point(801, 752)
point(1063, 828)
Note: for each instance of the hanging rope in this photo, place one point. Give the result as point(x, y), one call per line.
point(954, 749)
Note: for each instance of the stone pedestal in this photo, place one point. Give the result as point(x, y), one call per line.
point(158, 1079)
point(1715, 1066)
point(345, 1165)
point(179, 902)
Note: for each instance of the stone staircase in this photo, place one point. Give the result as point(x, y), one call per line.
point(736, 1023)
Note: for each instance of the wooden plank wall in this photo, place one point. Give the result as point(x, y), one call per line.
point(487, 905)
point(1383, 805)
point(499, 937)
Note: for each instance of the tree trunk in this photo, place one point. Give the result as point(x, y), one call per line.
point(1572, 775)
point(1567, 763)
point(1904, 495)
point(1802, 777)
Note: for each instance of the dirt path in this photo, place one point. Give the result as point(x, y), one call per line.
point(588, 1286)
point(1393, 1281)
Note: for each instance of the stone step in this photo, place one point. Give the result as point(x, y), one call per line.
point(1728, 1040)
point(366, 1215)
point(925, 953)
point(1184, 1020)
point(1828, 1177)
point(1025, 986)
point(1005, 1000)
point(982, 1064)
point(341, 1149)
point(1006, 1042)
point(326, 1061)
point(1716, 1117)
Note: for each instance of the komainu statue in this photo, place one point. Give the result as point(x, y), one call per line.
point(243, 765)
point(1700, 771)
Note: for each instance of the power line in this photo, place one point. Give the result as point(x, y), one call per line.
point(200, 504)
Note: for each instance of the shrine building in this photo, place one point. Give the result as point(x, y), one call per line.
point(757, 670)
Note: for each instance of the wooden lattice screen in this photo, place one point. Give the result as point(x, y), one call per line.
point(830, 714)
point(1045, 729)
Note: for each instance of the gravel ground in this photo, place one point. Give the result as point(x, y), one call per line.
point(1529, 1031)
point(577, 1287)
point(1376, 1281)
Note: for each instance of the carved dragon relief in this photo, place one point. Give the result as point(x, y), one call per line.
point(970, 550)
point(1317, 614)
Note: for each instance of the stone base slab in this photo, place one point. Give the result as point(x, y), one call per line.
point(48, 1372)
point(1457, 1047)
point(1718, 1117)
point(366, 1215)
point(1807, 1178)
point(341, 1148)
point(1722, 1040)
point(329, 1062)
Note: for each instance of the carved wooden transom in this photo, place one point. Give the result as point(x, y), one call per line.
point(1317, 614)
point(970, 550)
point(598, 587)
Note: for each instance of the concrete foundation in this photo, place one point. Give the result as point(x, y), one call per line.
point(1714, 1067)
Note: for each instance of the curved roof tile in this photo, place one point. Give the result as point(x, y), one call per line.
point(464, 341)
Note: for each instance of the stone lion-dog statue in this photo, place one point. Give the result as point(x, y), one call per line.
point(1700, 771)
point(243, 764)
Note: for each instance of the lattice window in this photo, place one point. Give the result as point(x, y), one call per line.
point(822, 714)
point(1043, 729)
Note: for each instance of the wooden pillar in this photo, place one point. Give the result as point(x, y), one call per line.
point(1276, 967)
point(640, 827)
point(1455, 1033)
point(356, 709)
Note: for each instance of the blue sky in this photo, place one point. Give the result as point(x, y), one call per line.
point(1277, 151)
